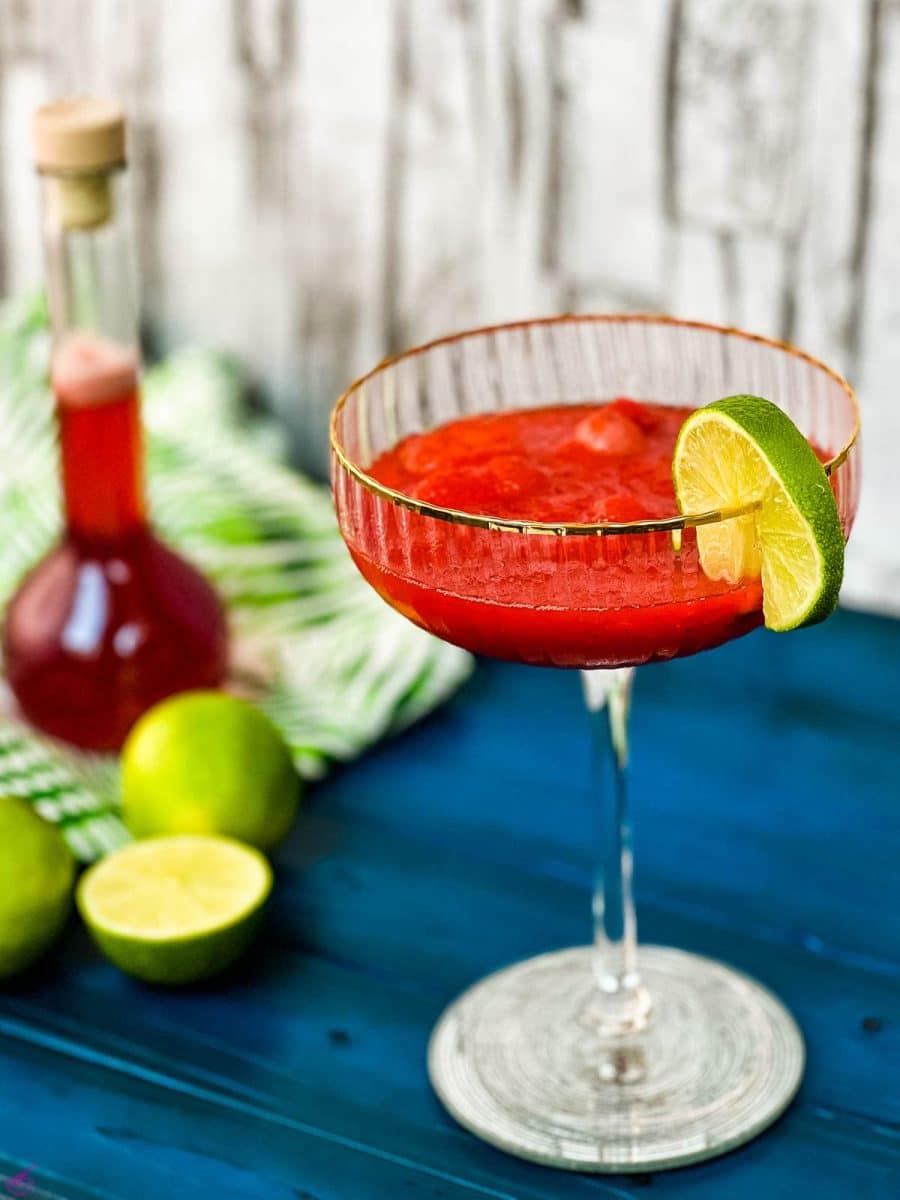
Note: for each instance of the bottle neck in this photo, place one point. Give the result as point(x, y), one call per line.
point(97, 399)
point(94, 358)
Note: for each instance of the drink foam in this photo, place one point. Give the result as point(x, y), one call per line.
point(89, 369)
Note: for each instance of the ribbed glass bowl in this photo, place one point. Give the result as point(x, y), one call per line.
point(562, 594)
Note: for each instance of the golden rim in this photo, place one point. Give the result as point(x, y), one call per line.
point(573, 529)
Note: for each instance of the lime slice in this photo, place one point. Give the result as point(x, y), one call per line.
point(745, 450)
point(175, 909)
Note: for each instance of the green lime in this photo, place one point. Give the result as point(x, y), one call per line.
point(206, 762)
point(36, 876)
point(745, 450)
point(175, 909)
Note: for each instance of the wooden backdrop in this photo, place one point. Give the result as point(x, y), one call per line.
point(322, 181)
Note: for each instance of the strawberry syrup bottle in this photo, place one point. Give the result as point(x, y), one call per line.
point(112, 620)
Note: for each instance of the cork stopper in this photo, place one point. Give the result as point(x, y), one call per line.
point(77, 142)
point(84, 135)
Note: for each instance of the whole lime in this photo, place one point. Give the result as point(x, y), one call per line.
point(36, 876)
point(206, 762)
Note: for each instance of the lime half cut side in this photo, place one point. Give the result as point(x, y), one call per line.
point(175, 909)
point(744, 450)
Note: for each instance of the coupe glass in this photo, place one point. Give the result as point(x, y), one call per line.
point(610, 1057)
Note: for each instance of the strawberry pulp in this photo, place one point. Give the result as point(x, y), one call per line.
point(576, 601)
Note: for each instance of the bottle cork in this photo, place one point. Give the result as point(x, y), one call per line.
point(78, 142)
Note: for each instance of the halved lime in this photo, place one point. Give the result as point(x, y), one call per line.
point(175, 909)
point(745, 450)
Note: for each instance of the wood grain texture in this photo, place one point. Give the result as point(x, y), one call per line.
point(767, 835)
point(323, 183)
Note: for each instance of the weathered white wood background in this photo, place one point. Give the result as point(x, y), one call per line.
point(322, 181)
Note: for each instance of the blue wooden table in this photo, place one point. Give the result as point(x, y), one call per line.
point(767, 809)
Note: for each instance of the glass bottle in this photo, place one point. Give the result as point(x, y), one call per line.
point(112, 620)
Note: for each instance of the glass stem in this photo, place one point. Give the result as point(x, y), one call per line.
point(622, 1006)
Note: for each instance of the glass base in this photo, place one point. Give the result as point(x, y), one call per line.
point(520, 1062)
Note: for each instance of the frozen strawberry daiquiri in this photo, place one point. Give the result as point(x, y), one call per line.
point(500, 490)
point(601, 601)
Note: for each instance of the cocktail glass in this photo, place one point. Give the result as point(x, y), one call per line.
point(608, 1057)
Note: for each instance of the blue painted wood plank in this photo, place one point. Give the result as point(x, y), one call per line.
point(134, 1137)
point(291, 1009)
point(754, 793)
point(353, 1038)
point(345, 1050)
point(21, 1180)
point(140, 1132)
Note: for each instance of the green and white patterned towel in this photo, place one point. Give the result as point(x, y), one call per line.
point(341, 669)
